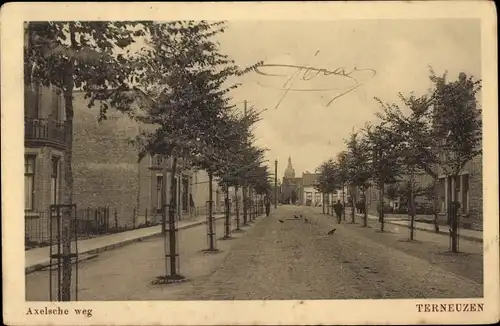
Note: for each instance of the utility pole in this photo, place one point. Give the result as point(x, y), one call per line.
point(275, 184)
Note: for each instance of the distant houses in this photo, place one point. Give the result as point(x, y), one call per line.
point(302, 190)
point(469, 195)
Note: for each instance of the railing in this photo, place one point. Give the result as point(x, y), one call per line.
point(88, 222)
point(44, 131)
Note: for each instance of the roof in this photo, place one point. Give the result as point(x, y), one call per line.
point(309, 179)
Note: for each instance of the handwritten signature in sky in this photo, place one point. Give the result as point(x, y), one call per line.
point(298, 79)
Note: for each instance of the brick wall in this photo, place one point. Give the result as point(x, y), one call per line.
point(200, 190)
point(146, 189)
point(475, 170)
point(105, 168)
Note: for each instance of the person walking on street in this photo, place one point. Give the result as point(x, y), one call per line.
point(267, 202)
point(338, 210)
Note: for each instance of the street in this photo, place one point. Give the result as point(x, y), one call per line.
point(289, 260)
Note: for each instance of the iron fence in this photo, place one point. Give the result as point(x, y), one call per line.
point(87, 223)
point(96, 221)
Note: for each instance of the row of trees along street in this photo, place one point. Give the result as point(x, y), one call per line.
point(437, 131)
point(185, 81)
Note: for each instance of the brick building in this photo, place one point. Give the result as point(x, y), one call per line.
point(44, 145)
point(107, 171)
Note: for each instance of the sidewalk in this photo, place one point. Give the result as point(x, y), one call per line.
point(36, 259)
point(443, 229)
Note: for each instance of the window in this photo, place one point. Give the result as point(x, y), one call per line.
point(54, 181)
point(29, 181)
point(159, 187)
point(309, 195)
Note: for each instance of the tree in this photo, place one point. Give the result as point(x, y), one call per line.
point(343, 176)
point(232, 170)
point(228, 171)
point(457, 127)
point(251, 156)
point(415, 146)
point(444, 129)
point(329, 179)
point(187, 79)
point(81, 55)
point(358, 168)
point(385, 168)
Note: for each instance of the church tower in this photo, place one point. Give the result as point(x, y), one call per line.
point(289, 171)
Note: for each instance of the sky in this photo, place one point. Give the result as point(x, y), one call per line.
point(391, 56)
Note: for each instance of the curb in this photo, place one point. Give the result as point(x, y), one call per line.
point(90, 254)
point(467, 237)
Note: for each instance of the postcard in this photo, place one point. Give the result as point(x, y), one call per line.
point(250, 163)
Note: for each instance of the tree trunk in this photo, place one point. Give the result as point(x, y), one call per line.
point(68, 175)
point(436, 204)
point(171, 219)
point(323, 206)
point(343, 201)
point(67, 198)
point(381, 209)
point(365, 214)
point(454, 211)
point(210, 213)
point(164, 219)
point(237, 206)
point(245, 205)
point(412, 205)
point(228, 218)
point(353, 212)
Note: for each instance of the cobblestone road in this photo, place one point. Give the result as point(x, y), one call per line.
point(290, 260)
point(295, 260)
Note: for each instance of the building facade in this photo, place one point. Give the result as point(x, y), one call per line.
point(107, 171)
point(468, 192)
point(308, 193)
point(44, 148)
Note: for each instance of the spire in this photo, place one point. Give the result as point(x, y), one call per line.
point(289, 171)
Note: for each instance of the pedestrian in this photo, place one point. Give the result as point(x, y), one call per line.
point(267, 202)
point(191, 205)
point(338, 210)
